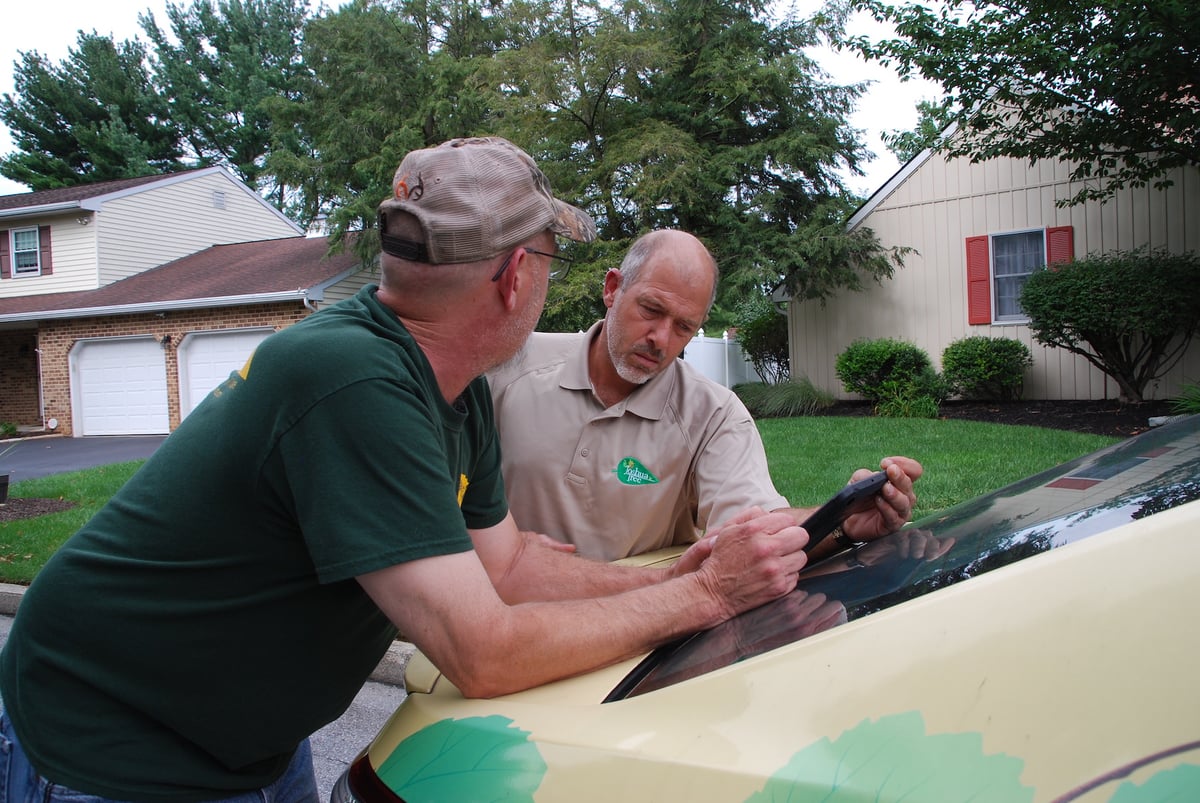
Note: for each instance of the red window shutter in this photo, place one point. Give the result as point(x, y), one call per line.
point(44, 247)
point(1060, 245)
point(5, 262)
point(979, 281)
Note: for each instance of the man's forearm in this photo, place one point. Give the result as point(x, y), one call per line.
point(543, 573)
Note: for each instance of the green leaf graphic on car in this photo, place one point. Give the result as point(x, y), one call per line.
point(893, 758)
point(477, 758)
point(1178, 783)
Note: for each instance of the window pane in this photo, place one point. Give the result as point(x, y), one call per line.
point(1015, 257)
point(25, 251)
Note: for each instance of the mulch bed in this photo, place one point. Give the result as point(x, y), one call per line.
point(1106, 417)
point(1097, 417)
point(20, 508)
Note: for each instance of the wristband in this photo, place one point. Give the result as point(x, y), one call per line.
point(841, 539)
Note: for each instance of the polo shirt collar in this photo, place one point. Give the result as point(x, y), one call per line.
point(648, 401)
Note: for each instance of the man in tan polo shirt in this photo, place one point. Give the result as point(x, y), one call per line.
point(614, 446)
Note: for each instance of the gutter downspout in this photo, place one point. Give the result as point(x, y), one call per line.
point(41, 387)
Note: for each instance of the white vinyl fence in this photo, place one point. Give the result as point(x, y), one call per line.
point(720, 359)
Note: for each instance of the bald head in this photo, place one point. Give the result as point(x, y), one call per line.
point(674, 249)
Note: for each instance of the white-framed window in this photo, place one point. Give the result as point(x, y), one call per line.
point(26, 252)
point(999, 264)
point(1014, 257)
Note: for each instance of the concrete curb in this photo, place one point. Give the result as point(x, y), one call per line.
point(390, 670)
point(10, 597)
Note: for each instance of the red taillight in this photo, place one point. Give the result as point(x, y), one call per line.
point(366, 786)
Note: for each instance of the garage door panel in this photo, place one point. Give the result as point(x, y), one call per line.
point(206, 359)
point(120, 385)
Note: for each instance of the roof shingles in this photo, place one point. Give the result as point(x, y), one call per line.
point(223, 271)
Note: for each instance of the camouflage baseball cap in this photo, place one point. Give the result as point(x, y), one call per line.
point(474, 198)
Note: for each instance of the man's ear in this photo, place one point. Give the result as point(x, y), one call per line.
point(612, 283)
point(512, 281)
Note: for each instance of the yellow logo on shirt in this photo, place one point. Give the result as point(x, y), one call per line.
point(463, 482)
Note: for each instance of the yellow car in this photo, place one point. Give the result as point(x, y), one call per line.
point(1034, 644)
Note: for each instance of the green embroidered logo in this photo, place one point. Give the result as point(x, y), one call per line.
point(630, 472)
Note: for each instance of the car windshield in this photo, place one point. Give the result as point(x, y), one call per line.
point(1130, 480)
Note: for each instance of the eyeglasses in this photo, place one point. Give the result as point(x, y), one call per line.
point(555, 273)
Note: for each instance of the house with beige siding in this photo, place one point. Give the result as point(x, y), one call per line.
point(977, 231)
point(123, 303)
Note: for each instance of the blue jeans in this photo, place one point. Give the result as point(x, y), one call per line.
point(21, 783)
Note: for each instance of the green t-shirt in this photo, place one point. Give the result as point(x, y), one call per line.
point(206, 620)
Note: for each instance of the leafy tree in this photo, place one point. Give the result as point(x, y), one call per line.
point(1131, 314)
point(93, 117)
point(221, 66)
point(932, 120)
point(702, 115)
point(382, 80)
point(762, 332)
point(1108, 86)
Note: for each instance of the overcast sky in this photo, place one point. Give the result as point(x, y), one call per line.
point(890, 105)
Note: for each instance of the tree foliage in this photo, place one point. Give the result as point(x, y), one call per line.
point(932, 119)
point(703, 115)
point(382, 80)
point(1109, 86)
point(762, 332)
point(221, 65)
point(1131, 314)
point(93, 117)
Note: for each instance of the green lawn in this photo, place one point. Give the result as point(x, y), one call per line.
point(810, 457)
point(26, 544)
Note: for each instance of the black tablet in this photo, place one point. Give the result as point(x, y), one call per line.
point(831, 514)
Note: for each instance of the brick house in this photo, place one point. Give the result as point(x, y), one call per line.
point(123, 303)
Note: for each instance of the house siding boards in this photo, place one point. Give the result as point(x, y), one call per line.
point(73, 252)
point(149, 261)
point(934, 209)
point(350, 286)
point(144, 229)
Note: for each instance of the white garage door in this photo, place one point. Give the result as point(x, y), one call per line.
point(120, 387)
point(206, 359)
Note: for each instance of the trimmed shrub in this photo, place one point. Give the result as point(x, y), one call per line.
point(986, 368)
point(920, 396)
point(877, 368)
point(1132, 314)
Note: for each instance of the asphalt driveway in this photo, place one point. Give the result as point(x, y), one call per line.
point(27, 458)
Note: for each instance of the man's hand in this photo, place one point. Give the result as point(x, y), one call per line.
point(754, 558)
point(548, 541)
point(909, 544)
point(892, 507)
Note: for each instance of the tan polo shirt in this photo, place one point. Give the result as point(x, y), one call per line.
point(680, 453)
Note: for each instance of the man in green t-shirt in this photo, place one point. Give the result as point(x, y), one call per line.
point(235, 594)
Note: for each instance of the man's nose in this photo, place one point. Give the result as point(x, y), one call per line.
point(659, 334)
